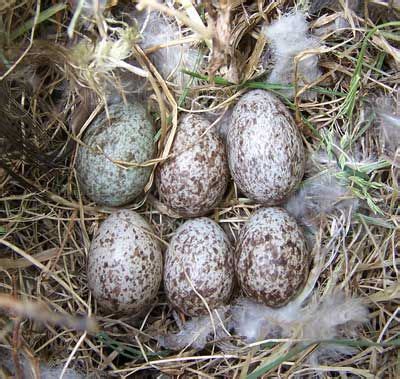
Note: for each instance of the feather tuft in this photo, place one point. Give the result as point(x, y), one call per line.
point(320, 195)
point(332, 317)
point(254, 321)
point(335, 314)
point(158, 30)
point(46, 371)
point(197, 331)
point(289, 36)
point(389, 124)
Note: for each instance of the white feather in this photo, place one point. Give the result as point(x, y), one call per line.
point(46, 371)
point(289, 36)
point(55, 372)
point(254, 321)
point(324, 319)
point(320, 195)
point(157, 30)
point(197, 331)
point(334, 317)
point(331, 317)
point(390, 128)
point(90, 7)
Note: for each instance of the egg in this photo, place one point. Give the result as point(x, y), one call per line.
point(198, 265)
point(272, 260)
point(265, 151)
point(125, 263)
point(194, 180)
point(127, 136)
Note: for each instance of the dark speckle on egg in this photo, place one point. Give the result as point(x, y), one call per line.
point(199, 261)
point(193, 182)
point(265, 151)
point(272, 261)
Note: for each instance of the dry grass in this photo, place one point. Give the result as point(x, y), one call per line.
point(47, 225)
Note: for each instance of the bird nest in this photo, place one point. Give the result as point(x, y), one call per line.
point(62, 63)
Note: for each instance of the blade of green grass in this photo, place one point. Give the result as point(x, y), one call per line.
point(44, 16)
point(350, 101)
point(125, 350)
point(375, 221)
point(258, 372)
point(217, 79)
point(261, 370)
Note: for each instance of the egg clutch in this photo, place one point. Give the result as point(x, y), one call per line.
point(201, 267)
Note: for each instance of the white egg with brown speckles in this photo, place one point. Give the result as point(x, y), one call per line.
point(125, 263)
point(199, 267)
point(126, 135)
point(272, 260)
point(193, 181)
point(265, 151)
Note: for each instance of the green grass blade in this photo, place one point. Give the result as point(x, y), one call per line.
point(43, 16)
point(350, 101)
point(258, 372)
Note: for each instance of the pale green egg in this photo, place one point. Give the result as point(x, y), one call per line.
point(126, 135)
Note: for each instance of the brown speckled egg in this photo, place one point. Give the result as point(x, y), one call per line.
point(199, 259)
point(265, 151)
point(125, 263)
point(193, 182)
point(272, 260)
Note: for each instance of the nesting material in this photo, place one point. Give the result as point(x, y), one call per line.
point(96, 63)
point(46, 371)
point(289, 36)
point(92, 7)
point(339, 24)
point(389, 127)
point(170, 58)
point(319, 196)
point(55, 372)
point(333, 316)
point(197, 331)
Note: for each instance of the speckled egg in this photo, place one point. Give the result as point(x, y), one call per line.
point(272, 261)
point(199, 261)
point(193, 182)
point(125, 263)
point(126, 136)
point(265, 151)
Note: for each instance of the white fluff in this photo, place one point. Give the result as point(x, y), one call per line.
point(55, 372)
point(197, 331)
point(99, 64)
point(89, 8)
point(289, 36)
point(390, 128)
point(156, 30)
point(331, 317)
point(320, 195)
point(46, 371)
point(255, 321)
